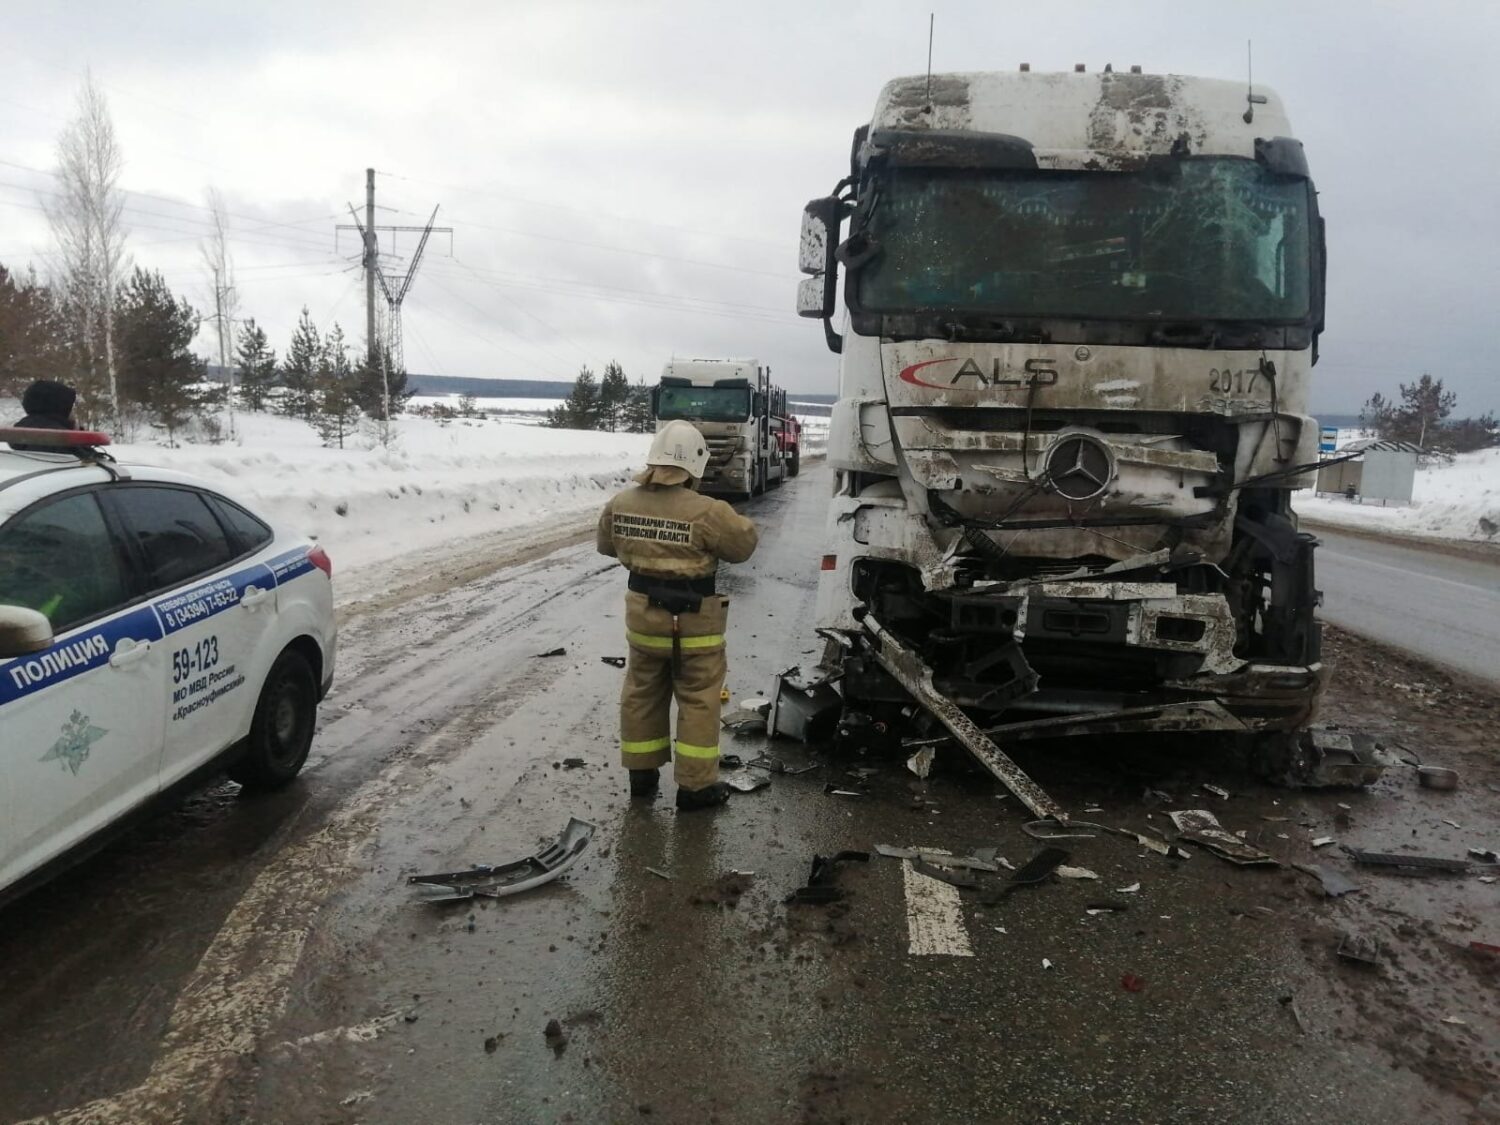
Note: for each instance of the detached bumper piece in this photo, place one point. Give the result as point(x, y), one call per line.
point(909, 670)
point(509, 878)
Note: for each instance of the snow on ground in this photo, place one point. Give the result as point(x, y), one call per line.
point(1450, 500)
point(438, 481)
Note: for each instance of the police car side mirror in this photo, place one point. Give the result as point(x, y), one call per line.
point(23, 631)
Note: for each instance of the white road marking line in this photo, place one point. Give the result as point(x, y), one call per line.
point(242, 981)
point(934, 922)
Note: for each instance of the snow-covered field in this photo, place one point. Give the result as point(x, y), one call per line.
point(1457, 500)
point(436, 483)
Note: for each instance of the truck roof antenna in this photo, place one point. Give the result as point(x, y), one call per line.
point(1249, 82)
point(931, 19)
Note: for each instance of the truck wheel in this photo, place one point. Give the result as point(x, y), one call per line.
point(794, 465)
point(281, 732)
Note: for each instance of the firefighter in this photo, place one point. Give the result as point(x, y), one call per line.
point(671, 539)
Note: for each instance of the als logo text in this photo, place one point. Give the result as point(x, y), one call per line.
point(1038, 371)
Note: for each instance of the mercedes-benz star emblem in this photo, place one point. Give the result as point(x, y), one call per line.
point(1078, 467)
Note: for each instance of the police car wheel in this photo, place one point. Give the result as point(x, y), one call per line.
point(281, 732)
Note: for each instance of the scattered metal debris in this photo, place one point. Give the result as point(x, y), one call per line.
point(1437, 777)
point(1201, 827)
point(1290, 1002)
point(553, 652)
point(1359, 949)
point(659, 873)
point(1035, 870)
point(1334, 884)
point(1409, 864)
point(731, 762)
point(510, 878)
point(747, 781)
point(1130, 890)
point(776, 765)
point(939, 858)
point(834, 791)
point(613, 661)
point(1485, 855)
point(573, 763)
point(945, 875)
point(802, 707)
point(1031, 829)
point(1455, 1020)
point(1066, 872)
point(1322, 841)
point(743, 721)
point(1485, 947)
point(820, 880)
point(757, 703)
point(1453, 824)
point(1105, 906)
point(1046, 964)
point(1222, 794)
point(920, 763)
point(1332, 758)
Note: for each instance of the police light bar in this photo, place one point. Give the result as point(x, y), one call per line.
point(58, 439)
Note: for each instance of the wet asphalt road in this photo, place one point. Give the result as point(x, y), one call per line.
point(263, 961)
point(1439, 606)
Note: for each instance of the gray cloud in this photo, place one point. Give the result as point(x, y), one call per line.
point(591, 154)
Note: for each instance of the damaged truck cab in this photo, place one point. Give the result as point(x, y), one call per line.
point(1082, 312)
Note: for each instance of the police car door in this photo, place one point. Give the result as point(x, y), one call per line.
point(214, 605)
point(80, 744)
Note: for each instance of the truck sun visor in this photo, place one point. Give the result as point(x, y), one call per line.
point(906, 148)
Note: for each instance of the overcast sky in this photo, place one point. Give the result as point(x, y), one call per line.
point(626, 179)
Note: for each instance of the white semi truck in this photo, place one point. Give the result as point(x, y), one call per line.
point(1081, 312)
point(753, 442)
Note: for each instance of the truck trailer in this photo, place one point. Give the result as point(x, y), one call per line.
point(753, 442)
point(1081, 312)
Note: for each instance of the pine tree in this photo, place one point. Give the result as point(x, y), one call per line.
point(335, 384)
point(636, 416)
point(33, 335)
point(255, 365)
point(614, 393)
point(580, 410)
point(299, 369)
point(1425, 404)
point(369, 389)
point(157, 368)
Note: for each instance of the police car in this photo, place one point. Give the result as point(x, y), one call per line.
point(152, 632)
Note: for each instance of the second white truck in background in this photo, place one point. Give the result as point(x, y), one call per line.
point(753, 442)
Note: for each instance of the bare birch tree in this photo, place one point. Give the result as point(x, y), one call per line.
point(86, 222)
point(220, 266)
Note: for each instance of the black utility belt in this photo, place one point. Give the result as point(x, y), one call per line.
point(645, 584)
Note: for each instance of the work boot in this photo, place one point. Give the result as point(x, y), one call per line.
point(710, 796)
point(644, 783)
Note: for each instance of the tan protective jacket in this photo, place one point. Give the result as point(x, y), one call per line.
point(665, 530)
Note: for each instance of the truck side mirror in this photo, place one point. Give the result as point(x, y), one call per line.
point(23, 631)
point(817, 294)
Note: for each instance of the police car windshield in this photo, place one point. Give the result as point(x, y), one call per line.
point(704, 404)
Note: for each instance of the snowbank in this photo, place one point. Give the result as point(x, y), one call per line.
point(436, 483)
point(1457, 500)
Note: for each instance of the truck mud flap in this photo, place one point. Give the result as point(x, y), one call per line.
point(913, 674)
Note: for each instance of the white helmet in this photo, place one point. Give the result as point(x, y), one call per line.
point(679, 445)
